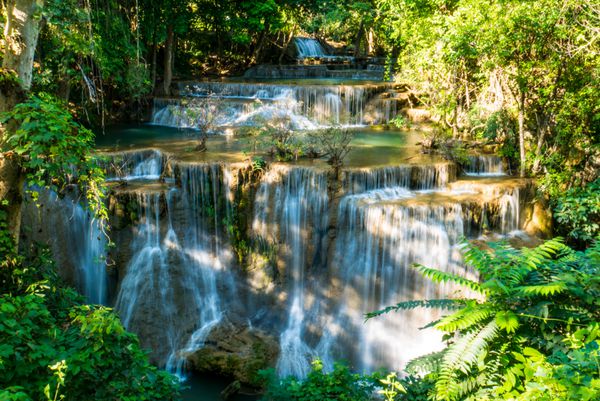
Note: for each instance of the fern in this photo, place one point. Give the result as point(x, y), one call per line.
point(425, 364)
point(544, 289)
point(438, 276)
point(461, 357)
point(428, 303)
point(466, 318)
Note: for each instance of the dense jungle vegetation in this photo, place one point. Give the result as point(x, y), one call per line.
point(523, 75)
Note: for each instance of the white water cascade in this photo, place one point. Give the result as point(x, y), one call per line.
point(248, 104)
point(309, 47)
point(88, 247)
point(291, 209)
point(77, 240)
point(176, 274)
point(485, 165)
point(134, 165)
point(379, 239)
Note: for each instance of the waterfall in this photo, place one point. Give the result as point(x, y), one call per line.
point(176, 274)
point(145, 164)
point(376, 245)
point(291, 208)
point(243, 104)
point(406, 176)
point(485, 165)
point(309, 47)
point(88, 246)
point(76, 238)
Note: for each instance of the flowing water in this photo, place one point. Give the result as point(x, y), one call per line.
point(309, 47)
point(307, 106)
point(338, 249)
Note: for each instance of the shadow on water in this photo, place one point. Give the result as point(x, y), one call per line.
point(209, 388)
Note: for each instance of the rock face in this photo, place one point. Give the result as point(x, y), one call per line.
point(236, 351)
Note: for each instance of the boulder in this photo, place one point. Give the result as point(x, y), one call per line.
point(236, 351)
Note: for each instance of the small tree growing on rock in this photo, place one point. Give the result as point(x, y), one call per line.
point(202, 115)
point(333, 143)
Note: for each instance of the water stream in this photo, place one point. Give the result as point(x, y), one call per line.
point(336, 251)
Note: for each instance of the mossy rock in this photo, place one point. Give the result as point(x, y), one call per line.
point(237, 352)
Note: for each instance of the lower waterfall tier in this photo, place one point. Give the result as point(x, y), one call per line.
point(284, 259)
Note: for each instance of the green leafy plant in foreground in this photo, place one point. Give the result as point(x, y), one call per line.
point(577, 212)
point(340, 384)
point(52, 346)
point(530, 332)
point(54, 150)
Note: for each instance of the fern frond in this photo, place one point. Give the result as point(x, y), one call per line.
point(479, 259)
point(533, 258)
point(425, 364)
point(466, 318)
point(544, 290)
point(438, 276)
point(462, 356)
point(426, 303)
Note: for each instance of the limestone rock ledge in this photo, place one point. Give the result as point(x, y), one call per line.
point(236, 351)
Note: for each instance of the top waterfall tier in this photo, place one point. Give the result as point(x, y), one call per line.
point(309, 47)
point(308, 107)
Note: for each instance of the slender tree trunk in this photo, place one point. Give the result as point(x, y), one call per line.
point(21, 31)
point(259, 45)
point(168, 73)
point(358, 38)
point(371, 42)
point(522, 131)
point(286, 45)
point(153, 68)
point(543, 129)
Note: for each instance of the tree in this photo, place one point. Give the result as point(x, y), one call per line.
point(21, 30)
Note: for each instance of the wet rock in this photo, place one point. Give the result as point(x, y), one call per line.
point(236, 351)
point(538, 220)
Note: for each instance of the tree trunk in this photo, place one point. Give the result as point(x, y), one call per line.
point(286, 45)
point(522, 131)
point(168, 73)
point(154, 61)
point(260, 43)
point(543, 128)
point(371, 42)
point(21, 32)
point(358, 39)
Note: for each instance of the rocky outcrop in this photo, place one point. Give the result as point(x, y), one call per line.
point(236, 351)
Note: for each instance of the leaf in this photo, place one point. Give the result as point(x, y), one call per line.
point(507, 321)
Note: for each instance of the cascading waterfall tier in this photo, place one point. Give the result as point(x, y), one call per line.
point(340, 251)
point(309, 47)
point(377, 243)
point(76, 238)
point(291, 209)
point(485, 165)
point(405, 176)
point(178, 270)
point(307, 107)
point(139, 164)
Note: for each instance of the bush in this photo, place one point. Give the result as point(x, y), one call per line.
point(52, 345)
point(339, 385)
point(577, 212)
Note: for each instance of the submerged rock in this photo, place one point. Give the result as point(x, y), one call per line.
point(236, 351)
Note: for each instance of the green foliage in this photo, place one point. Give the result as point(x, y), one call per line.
point(340, 384)
point(534, 335)
point(577, 212)
point(332, 143)
point(392, 387)
point(54, 347)
point(54, 150)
